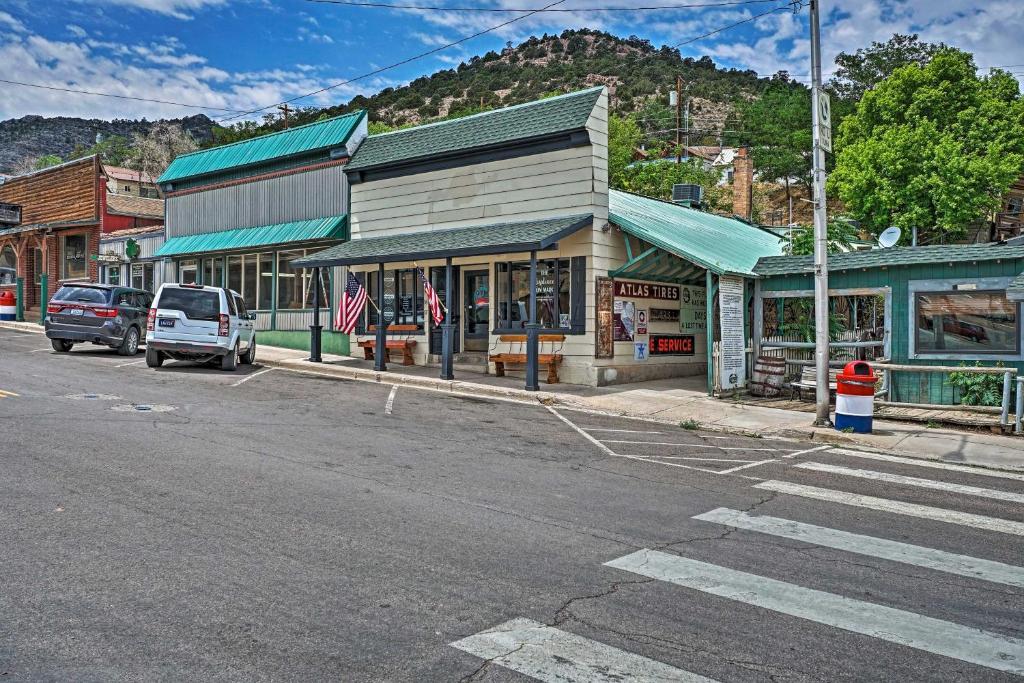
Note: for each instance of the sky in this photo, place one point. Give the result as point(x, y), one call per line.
point(230, 56)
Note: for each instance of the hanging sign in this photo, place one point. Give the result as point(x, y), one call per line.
point(387, 309)
point(672, 345)
point(646, 290)
point(824, 121)
point(732, 356)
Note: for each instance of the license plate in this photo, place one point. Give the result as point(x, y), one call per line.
point(166, 322)
point(76, 311)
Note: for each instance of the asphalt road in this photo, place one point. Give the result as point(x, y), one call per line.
point(267, 525)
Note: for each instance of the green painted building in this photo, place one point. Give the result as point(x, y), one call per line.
point(942, 305)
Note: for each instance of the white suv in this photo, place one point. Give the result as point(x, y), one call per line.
point(202, 324)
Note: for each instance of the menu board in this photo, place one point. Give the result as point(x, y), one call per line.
point(732, 357)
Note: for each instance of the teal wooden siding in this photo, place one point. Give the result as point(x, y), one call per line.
point(909, 387)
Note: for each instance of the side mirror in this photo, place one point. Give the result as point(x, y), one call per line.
point(252, 316)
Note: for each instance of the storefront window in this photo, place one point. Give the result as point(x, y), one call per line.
point(292, 283)
point(408, 297)
point(213, 272)
point(187, 272)
point(8, 266)
point(553, 294)
point(966, 322)
point(142, 276)
point(266, 292)
point(75, 263)
point(235, 273)
point(113, 275)
point(249, 280)
point(37, 256)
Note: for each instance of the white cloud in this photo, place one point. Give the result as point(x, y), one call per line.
point(76, 31)
point(12, 22)
point(304, 34)
point(179, 9)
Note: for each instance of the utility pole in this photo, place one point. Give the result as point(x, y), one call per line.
point(287, 110)
point(821, 338)
point(679, 123)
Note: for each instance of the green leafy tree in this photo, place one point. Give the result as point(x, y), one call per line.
point(777, 126)
point(624, 136)
point(115, 150)
point(931, 147)
point(800, 241)
point(862, 70)
point(46, 161)
point(656, 178)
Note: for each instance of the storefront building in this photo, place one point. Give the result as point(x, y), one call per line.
point(56, 236)
point(132, 232)
point(512, 207)
point(239, 215)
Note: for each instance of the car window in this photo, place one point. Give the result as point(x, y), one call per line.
point(240, 305)
point(231, 303)
point(196, 304)
point(125, 298)
point(91, 295)
point(144, 299)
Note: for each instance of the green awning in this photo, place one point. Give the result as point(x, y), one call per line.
point(331, 227)
point(478, 240)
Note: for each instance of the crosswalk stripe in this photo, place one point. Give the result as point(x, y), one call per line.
point(549, 654)
point(914, 481)
point(934, 464)
point(620, 431)
point(870, 546)
point(690, 445)
point(1004, 526)
point(932, 635)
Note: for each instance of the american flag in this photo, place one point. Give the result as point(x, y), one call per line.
point(353, 301)
point(432, 300)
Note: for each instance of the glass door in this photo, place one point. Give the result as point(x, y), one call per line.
point(478, 310)
point(437, 280)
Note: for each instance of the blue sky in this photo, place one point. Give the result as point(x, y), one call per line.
point(243, 54)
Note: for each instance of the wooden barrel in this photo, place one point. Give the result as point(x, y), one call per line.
point(769, 374)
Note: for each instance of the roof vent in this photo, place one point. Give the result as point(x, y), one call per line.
point(687, 194)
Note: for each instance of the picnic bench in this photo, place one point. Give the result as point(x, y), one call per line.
point(808, 381)
point(405, 344)
point(547, 355)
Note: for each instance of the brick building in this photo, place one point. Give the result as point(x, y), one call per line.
point(59, 230)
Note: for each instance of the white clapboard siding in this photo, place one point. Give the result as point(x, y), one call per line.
point(311, 194)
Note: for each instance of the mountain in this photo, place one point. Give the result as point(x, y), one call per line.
point(638, 74)
point(31, 137)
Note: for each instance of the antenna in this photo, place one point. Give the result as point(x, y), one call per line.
point(889, 237)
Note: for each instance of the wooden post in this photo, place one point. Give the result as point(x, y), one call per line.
point(447, 332)
point(379, 362)
point(532, 331)
point(709, 314)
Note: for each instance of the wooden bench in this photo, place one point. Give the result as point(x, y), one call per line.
point(809, 381)
point(405, 344)
point(516, 354)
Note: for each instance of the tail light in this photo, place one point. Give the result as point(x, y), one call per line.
point(54, 308)
point(105, 312)
point(222, 331)
point(151, 320)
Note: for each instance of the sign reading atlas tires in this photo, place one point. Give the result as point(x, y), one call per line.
point(646, 290)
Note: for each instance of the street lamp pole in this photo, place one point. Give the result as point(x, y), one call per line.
point(821, 337)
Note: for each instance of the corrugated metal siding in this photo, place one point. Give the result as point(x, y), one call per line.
point(313, 194)
point(909, 387)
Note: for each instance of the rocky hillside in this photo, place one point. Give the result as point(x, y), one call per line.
point(35, 136)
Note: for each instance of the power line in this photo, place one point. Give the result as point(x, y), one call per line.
point(396, 64)
point(795, 5)
point(120, 97)
point(439, 8)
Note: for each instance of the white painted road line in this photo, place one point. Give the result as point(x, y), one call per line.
point(747, 466)
point(134, 362)
point(878, 621)
point(934, 464)
point(249, 377)
point(40, 350)
point(1003, 526)
point(620, 431)
point(549, 654)
point(583, 433)
point(697, 458)
point(870, 546)
point(690, 445)
point(995, 494)
point(390, 405)
point(805, 452)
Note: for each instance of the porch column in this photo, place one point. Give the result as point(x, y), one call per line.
point(447, 330)
point(709, 314)
point(532, 330)
point(316, 328)
point(379, 363)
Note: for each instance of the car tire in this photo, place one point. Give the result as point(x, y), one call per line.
point(61, 345)
point(130, 344)
point(249, 357)
point(154, 358)
point(229, 361)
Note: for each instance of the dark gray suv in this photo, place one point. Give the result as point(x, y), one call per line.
point(107, 315)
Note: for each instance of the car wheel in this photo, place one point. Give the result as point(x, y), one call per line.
point(230, 360)
point(61, 345)
point(154, 358)
point(250, 353)
point(130, 344)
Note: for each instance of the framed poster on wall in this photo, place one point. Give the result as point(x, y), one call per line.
point(605, 346)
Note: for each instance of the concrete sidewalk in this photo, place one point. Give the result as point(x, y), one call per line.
point(668, 402)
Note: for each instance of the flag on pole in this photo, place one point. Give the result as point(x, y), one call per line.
point(353, 301)
point(432, 299)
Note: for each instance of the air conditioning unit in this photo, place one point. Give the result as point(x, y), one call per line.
point(687, 194)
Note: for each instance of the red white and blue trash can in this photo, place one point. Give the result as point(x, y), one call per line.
point(8, 305)
point(855, 397)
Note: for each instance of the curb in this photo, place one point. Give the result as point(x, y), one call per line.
point(21, 327)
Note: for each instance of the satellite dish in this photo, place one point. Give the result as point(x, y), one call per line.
point(889, 237)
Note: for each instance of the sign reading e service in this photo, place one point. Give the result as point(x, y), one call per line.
point(671, 345)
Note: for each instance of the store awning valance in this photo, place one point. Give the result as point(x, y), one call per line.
point(331, 227)
point(499, 238)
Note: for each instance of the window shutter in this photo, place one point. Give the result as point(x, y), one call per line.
point(361, 325)
point(578, 294)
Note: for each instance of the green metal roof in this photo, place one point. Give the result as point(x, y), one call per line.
point(520, 122)
point(893, 256)
point(285, 143)
point(477, 240)
point(719, 244)
point(332, 227)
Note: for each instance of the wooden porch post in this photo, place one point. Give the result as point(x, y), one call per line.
point(379, 363)
point(447, 332)
point(532, 330)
